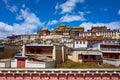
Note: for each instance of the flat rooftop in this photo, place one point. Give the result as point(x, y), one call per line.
point(39, 44)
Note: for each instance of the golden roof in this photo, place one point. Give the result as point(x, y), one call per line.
point(62, 26)
point(44, 29)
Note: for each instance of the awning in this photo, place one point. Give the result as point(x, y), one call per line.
point(88, 53)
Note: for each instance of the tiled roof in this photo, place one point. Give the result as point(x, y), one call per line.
point(94, 37)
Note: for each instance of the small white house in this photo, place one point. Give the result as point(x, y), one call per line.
point(80, 43)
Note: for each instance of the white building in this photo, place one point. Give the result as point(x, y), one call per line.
point(80, 55)
point(80, 43)
point(101, 31)
point(111, 53)
point(24, 38)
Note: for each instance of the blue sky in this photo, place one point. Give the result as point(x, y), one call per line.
point(28, 16)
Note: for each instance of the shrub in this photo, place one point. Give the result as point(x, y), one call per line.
point(71, 64)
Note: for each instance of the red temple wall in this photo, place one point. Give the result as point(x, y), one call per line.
point(62, 76)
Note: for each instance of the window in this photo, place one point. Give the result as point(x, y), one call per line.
point(80, 42)
point(77, 33)
point(79, 56)
point(83, 42)
point(31, 50)
point(114, 56)
point(85, 56)
point(113, 49)
point(105, 55)
point(76, 42)
point(104, 49)
point(38, 51)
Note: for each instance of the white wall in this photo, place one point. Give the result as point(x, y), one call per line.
point(80, 45)
point(2, 64)
point(75, 56)
point(70, 57)
point(115, 62)
point(30, 64)
point(33, 64)
point(70, 45)
point(14, 63)
point(118, 35)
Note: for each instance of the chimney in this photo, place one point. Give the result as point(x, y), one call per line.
point(23, 50)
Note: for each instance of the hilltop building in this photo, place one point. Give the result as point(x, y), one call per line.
point(21, 39)
point(76, 30)
point(75, 38)
point(60, 34)
point(43, 32)
point(61, 30)
point(91, 41)
point(101, 31)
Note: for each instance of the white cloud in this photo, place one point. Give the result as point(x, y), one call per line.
point(10, 7)
point(111, 25)
point(84, 13)
point(52, 22)
point(30, 23)
point(57, 6)
point(18, 17)
point(30, 18)
point(5, 30)
point(119, 12)
point(68, 6)
point(71, 18)
point(13, 8)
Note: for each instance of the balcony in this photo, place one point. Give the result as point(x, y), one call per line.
point(110, 51)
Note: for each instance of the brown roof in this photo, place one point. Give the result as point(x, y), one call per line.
point(80, 38)
point(94, 37)
point(109, 39)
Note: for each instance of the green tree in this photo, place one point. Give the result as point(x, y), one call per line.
point(119, 40)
